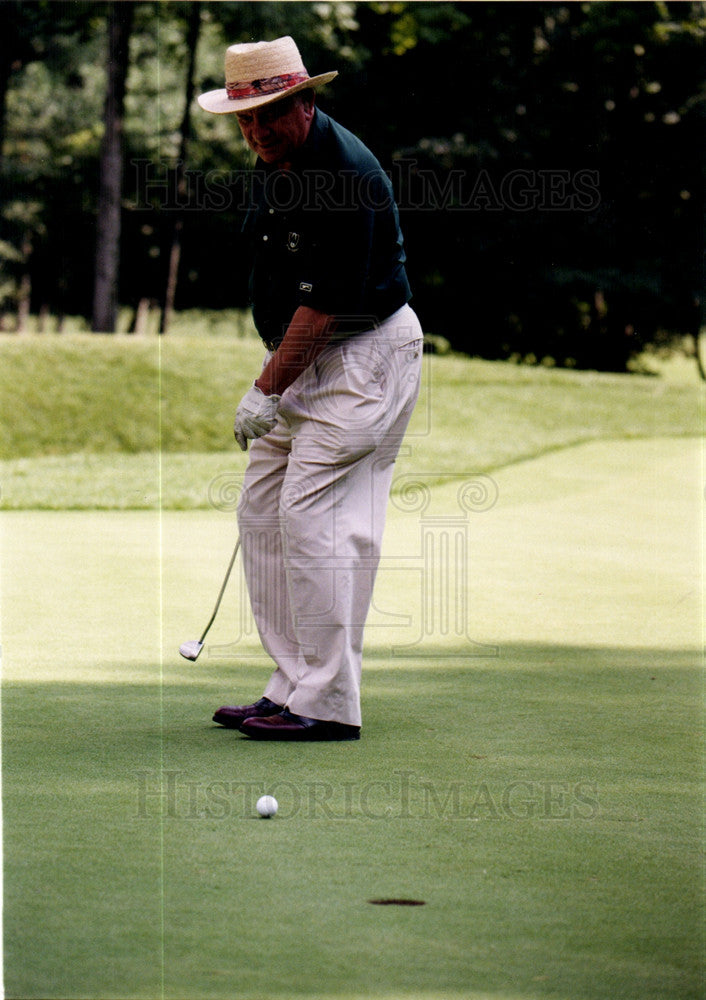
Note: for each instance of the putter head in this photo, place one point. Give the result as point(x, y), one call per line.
point(191, 649)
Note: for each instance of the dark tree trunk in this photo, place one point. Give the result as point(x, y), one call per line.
point(175, 247)
point(5, 71)
point(697, 325)
point(24, 292)
point(105, 291)
point(15, 51)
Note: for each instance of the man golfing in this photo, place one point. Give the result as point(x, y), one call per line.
point(326, 415)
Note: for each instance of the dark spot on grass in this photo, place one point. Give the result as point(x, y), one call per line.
point(397, 902)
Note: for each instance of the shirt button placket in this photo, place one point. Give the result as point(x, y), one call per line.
point(266, 237)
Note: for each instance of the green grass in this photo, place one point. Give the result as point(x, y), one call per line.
point(82, 418)
point(533, 773)
point(532, 756)
point(555, 851)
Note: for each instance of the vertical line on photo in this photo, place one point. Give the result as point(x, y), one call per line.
point(162, 917)
point(702, 529)
point(160, 530)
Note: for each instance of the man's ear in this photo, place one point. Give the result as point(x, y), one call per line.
point(308, 99)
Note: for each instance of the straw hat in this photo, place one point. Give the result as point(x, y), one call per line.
point(259, 73)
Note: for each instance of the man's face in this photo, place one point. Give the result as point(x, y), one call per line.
point(276, 130)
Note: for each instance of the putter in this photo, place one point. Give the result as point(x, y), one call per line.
point(191, 649)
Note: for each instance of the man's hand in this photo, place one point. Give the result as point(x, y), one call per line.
point(307, 335)
point(255, 416)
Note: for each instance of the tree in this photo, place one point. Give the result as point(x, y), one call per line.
point(480, 112)
point(105, 292)
point(38, 42)
point(192, 37)
point(27, 31)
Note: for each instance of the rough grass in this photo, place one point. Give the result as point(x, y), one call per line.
point(122, 422)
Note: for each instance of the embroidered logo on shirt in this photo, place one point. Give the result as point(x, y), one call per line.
point(293, 242)
point(305, 286)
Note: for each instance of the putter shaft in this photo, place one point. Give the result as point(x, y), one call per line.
point(191, 647)
point(221, 591)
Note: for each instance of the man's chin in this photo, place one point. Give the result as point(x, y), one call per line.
point(270, 155)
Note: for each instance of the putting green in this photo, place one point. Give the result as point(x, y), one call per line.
point(530, 765)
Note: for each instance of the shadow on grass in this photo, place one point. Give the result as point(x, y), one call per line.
point(544, 804)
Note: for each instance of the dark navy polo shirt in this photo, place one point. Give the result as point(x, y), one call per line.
point(325, 234)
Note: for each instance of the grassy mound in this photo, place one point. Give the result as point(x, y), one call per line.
point(124, 422)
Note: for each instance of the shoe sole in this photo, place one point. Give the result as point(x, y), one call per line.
point(305, 736)
point(228, 722)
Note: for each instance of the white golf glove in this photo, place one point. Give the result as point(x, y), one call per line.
point(255, 416)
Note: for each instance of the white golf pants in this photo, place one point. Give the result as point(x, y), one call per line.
point(312, 512)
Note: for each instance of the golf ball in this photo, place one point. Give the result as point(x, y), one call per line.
point(267, 806)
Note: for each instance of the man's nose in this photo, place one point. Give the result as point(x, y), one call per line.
point(261, 126)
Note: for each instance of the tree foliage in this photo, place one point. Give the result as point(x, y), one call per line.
point(546, 156)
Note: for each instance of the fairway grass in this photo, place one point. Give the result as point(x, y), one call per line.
point(530, 766)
